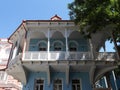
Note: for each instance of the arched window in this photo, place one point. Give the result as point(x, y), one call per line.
point(42, 46)
point(57, 46)
point(73, 46)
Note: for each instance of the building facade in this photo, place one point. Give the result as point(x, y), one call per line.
point(53, 55)
point(7, 82)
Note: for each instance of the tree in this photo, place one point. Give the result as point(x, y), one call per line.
point(96, 15)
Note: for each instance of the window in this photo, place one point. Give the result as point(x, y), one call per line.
point(42, 46)
point(39, 83)
point(57, 85)
point(57, 46)
point(76, 84)
point(72, 46)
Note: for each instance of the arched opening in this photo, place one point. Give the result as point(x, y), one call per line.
point(80, 43)
point(57, 35)
point(38, 42)
point(39, 35)
point(75, 35)
point(57, 42)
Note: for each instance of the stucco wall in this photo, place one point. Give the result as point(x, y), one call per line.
point(83, 76)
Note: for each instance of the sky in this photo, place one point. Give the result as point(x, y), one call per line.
point(13, 12)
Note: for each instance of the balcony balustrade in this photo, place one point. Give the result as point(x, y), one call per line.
point(108, 56)
point(60, 55)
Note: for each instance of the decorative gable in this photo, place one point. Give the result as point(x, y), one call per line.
point(56, 17)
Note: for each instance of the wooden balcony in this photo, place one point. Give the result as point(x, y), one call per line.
point(58, 61)
point(60, 55)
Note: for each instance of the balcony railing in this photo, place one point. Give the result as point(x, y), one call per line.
point(108, 56)
point(60, 55)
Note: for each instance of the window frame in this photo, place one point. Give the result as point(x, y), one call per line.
point(58, 84)
point(43, 48)
point(76, 84)
point(74, 42)
point(60, 48)
point(35, 83)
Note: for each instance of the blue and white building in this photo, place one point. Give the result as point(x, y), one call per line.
point(53, 55)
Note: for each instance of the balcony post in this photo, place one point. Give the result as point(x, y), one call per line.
point(48, 46)
point(105, 82)
point(91, 49)
point(66, 40)
point(114, 78)
point(24, 47)
point(16, 49)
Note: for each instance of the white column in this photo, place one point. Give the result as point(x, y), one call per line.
point(48, 46)
point(114, 78)
point(24, 47)
point(15, 49)
point(91, 49)
point(66, 40)
point(105, 82)
point(29, 33)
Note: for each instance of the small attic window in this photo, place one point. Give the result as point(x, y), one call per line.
point(56, 17)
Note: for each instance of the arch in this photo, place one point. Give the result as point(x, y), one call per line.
point(39, 34)
point(57, 35)
point(102, 72)
point(73, 45)
point(75, 35)
point(42, 45)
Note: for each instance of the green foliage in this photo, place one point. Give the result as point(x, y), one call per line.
point(96, 14)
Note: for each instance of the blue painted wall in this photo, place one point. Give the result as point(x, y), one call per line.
point(83, 76)
point(83, 44)
point(118, 82)
point(85, 80)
